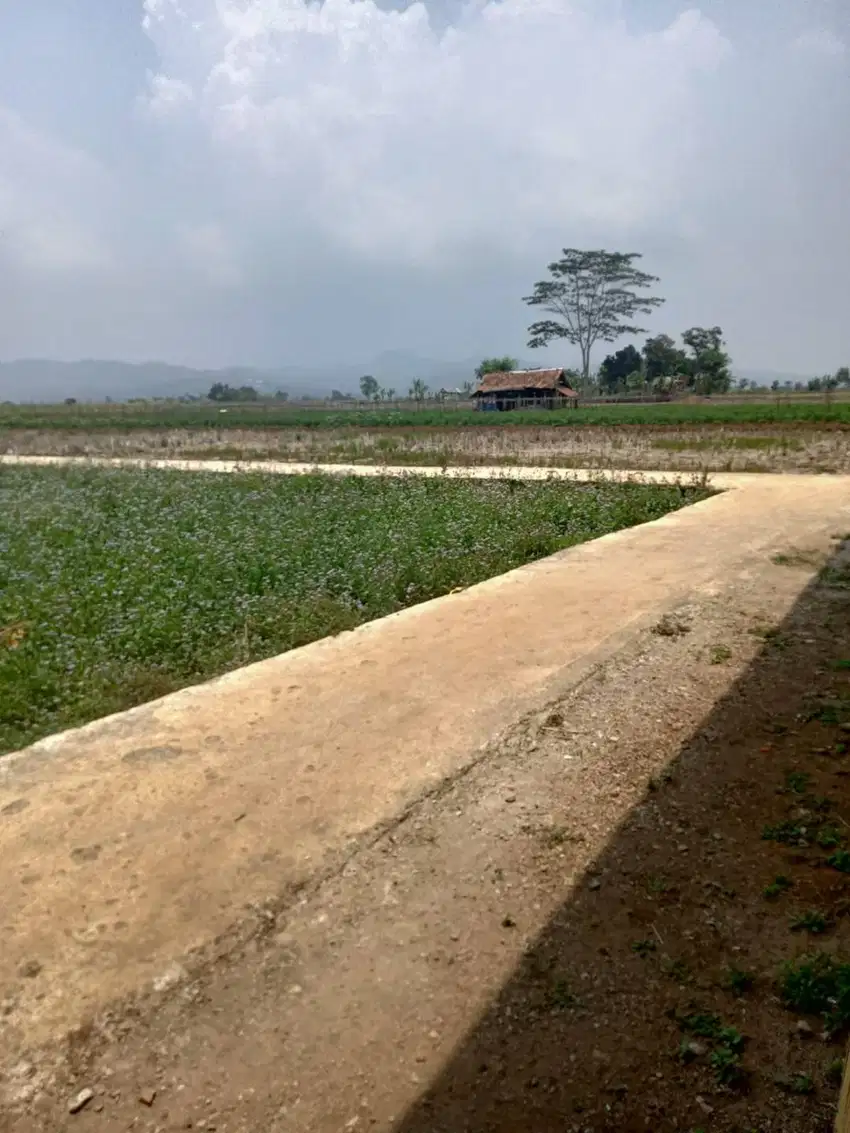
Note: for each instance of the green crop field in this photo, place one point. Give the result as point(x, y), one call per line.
point(176, 415)
point(119, 585)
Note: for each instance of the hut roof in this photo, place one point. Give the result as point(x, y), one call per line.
point(525, 379)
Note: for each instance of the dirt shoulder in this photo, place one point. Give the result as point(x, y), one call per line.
point(523, 948)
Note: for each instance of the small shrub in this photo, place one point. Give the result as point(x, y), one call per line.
point(840, 860)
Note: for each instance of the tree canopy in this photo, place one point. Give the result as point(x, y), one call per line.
point(594, 296)
point(618, 367)
point(369, 387)
point(662, 358)
point(221, 391)
point(708, 364)
point(496, 366)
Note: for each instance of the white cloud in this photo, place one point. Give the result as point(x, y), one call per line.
point(405, 144)
point(301, 166)
point(54, 202)
point(166, 96)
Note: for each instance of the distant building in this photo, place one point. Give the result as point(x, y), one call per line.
point(525, 389)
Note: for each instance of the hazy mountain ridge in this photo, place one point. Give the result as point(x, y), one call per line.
point(47, 380)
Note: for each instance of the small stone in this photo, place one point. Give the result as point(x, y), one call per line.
point(704, 1106)
point(80, 1100)
point(594, 883)
point(508, 922)
point(147, 1097)
point(29, 970)
point(696, 1050)
point(802, 1027)
point(510, 798)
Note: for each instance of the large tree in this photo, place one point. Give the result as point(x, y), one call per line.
point(595, 297)
point(662, 358)
point(496, 366)
point(617, 367)
point(708, 365)
point(369, 387)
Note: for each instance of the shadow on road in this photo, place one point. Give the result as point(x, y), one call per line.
point(614, 1019)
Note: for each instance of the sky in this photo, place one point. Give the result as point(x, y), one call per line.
point(269, 182)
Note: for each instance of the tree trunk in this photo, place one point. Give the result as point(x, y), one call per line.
point(585, 365)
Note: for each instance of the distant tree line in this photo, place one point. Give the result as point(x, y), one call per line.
point(221, 391)
point(700, 365)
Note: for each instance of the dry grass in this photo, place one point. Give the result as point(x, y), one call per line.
point(710, 448)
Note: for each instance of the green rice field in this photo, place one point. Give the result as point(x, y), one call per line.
point(120, 585)
point(176, 415)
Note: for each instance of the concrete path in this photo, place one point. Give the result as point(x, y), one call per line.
point(129, 842)
point(473, 472)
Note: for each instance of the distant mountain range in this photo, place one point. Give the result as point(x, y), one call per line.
point(35, 379)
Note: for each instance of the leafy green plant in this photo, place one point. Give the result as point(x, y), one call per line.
point(676, 970)
point(738, 981)
point(786, 832)
point(719, 654)
point(703, 1023)
point(818, 985)
point(811, 921)
point(797, 781)
point(828, 837)
point(840, 860)
point(780, 884)
point(726, 1064)
point(797, 1083)
point(561, 996)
